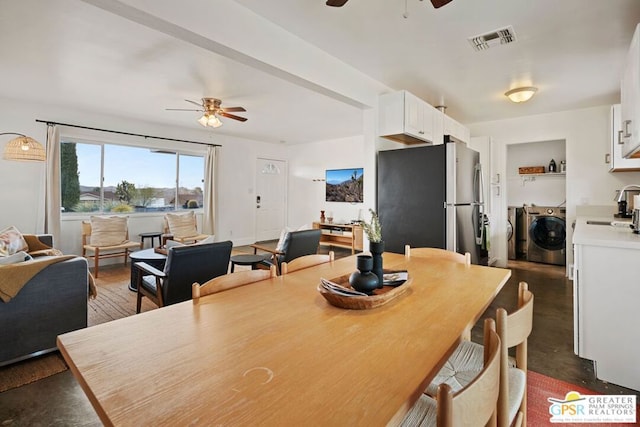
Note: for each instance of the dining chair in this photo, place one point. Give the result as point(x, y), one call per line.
point(106, 237)
point(473, 405)
point(230, 281)
point(184, 266)
point(306, 261)
point(466, 361)
point(438, 253)
point(295, 244)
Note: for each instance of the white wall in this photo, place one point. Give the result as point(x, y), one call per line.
point(308, 163)
point(547, 190)
point(588, 181)
point(22, 189)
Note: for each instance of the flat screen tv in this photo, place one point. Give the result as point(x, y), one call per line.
point(345, 185)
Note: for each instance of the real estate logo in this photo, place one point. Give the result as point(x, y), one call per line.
point(576, 408)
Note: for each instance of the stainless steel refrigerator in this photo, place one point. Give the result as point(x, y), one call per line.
point(431, 196)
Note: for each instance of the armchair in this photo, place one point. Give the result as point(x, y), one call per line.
point(182, 228)
point(184, 266)
point(106, 237)
point(295, 244)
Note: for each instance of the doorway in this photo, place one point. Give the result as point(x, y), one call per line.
point(536, 199)
point(271, 200)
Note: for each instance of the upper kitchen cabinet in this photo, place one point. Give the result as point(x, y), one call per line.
point(455, 129)
point(630, 97)
point(616, 162)
point(406, 118)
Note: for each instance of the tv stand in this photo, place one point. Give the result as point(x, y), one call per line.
point(347, 236)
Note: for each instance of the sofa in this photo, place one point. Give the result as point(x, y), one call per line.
point(52, 302)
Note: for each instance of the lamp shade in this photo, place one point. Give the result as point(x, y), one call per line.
point(24, 148)
point(521, 94)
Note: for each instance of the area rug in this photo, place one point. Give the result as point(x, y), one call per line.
point(541, 387)
point(28, 371)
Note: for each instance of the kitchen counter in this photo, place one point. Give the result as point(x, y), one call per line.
point(615, 236)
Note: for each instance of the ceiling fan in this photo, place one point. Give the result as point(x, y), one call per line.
point(211, 108)
point(340, 3)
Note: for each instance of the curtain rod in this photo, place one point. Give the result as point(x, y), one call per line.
point(126, 133)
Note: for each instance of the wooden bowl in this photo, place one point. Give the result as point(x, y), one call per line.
point(381, 296)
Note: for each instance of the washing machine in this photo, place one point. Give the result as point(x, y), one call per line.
point(547, 235)
point(511, 232)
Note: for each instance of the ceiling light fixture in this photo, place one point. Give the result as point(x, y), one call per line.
point(23, 148)
point(521, 94)
point(209, 119)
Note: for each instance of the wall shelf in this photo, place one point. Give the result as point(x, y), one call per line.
point(522, 175)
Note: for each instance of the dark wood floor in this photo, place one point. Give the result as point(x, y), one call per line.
point(58, 400)
point(551, 341)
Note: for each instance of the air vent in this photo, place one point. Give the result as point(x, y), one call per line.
point(485, 41)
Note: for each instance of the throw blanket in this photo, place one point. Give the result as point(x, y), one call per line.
point(14, 276)
point(37, 248)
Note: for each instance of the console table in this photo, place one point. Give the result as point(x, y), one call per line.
point(341, 235)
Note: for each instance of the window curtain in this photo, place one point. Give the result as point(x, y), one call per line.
point(209, 218)
point(53, 198)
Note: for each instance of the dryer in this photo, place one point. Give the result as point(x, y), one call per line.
point(511, 232)
point(547, 235)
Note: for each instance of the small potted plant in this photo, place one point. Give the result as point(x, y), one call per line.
point(373, 230)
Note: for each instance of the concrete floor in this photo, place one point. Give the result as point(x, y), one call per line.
point(59, 400)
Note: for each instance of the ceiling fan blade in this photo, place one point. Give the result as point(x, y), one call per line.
point(182, 109)
point(199, 104)
point(232, 109)
point(439, 3)
point(232, 116)
point(336, 3)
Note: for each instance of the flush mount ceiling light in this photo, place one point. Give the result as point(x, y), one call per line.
point(23, 148)
point(521, 94)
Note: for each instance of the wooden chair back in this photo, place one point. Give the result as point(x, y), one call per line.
point(476, 403)
point(230, 281)
point(437, 253)
point(514, 330)
point(305, 262)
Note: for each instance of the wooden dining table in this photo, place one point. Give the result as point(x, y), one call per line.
point(277, 353)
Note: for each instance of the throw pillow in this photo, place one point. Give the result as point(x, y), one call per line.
point(11, 241)
point(15, 258)
point(108, 230)
point(283, 237)
point(182, 225)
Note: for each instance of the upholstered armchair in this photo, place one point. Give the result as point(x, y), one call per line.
point(106, 237)
point(185, 265)
point(295, 244)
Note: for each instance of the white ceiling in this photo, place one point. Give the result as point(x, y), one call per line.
point(70, 53)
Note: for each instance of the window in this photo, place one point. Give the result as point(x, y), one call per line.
point(98, 177)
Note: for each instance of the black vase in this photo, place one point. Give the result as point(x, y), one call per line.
point(376, 249)
point(364, 280)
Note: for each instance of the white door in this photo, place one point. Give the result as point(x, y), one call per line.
point(271, 190)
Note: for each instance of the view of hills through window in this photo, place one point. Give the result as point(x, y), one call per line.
point(134, 179)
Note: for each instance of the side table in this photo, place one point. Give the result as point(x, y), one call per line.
point(248, 259)
point(151, 257)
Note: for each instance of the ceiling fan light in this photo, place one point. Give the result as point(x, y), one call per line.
point(214, 121)
point(521, 94)
point(203, 120)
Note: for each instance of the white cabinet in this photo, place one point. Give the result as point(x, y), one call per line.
point(630, 97)
point(616, 162)
point(455, 129)
point(406, 118)
point(606, 295)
